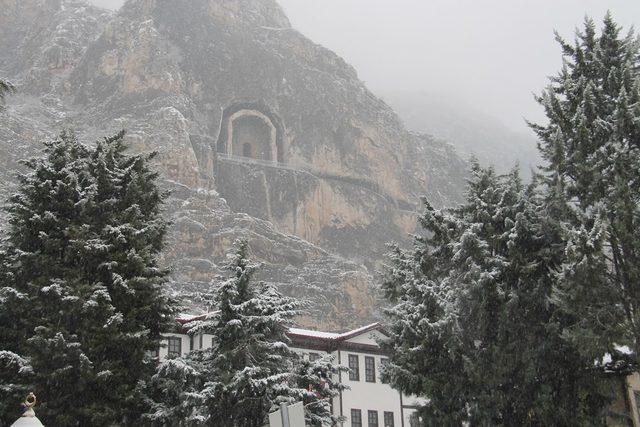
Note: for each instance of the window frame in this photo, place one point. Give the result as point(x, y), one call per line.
point(354, 368)
point(370, 369)
point(372, 418)
point(388, 419)
point(355, 412)
point(383, 362)
point(171, 340)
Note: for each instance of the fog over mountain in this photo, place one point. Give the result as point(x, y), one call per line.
point(491, 55)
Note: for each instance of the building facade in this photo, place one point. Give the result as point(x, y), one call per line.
point(367, 401)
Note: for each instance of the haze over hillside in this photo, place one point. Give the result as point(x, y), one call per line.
point(472, 88)
point(490, 54)
point(473, 133)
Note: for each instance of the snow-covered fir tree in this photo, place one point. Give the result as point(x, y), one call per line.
point(172, 395)
point(314, 383)
point(591, 145)
point(473, 329)
point(79, 263)
point(14, 369)
point(12, 366)
point(248, 369)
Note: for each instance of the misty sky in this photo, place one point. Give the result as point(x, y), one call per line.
point(488, 54)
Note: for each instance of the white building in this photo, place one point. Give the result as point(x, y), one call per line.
point(367, 402)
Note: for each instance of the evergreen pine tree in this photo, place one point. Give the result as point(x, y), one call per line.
point(14, 369)
point(314, 383)
point(12, 366)
point(248, 369)
point(473, 329)
point(249, 360)
point(80, 262)
point(172, 394)
point(592, 148)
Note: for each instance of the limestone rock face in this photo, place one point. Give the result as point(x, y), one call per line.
point(261, 134)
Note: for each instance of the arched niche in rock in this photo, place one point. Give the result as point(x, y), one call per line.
point(251, 130)
point(251, 134)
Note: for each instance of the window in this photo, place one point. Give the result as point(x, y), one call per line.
point(388, 419)
point(354, 367)
point(175, 346)
point(356, 418)
point(313, 357)
point(414, 420)
point(369, 369)
point(373, 418)
point(383, 364)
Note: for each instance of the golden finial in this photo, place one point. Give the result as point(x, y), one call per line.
point(30, 401)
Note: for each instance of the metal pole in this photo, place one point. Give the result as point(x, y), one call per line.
point(284, 413)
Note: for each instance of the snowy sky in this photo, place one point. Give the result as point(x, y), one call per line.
point(488, 54)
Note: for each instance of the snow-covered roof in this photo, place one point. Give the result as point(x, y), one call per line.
point(331, 336)
point(184, 319)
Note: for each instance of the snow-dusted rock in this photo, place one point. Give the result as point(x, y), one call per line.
point(349, 175)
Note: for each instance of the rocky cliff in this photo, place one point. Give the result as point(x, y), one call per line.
point(261, 133)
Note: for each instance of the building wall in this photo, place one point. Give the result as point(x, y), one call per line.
point(164, 350)
point(633, 394)
point(366, 396)
point(376, 396)
point(363, 395)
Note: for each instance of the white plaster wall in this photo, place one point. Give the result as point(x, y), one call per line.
point(369, 338)
point(164, 351)
point(368, 396)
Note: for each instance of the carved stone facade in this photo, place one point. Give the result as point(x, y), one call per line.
point(251, 130)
